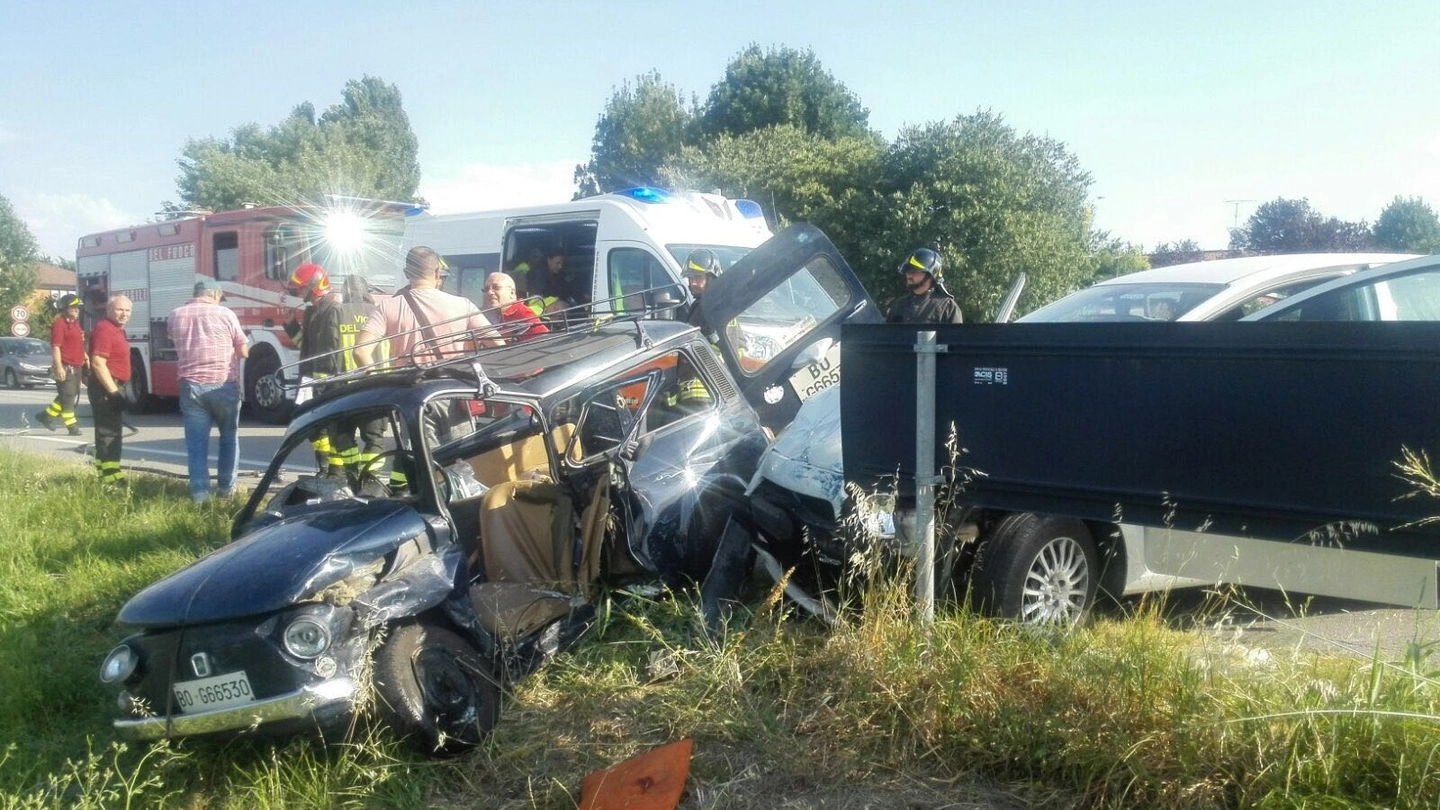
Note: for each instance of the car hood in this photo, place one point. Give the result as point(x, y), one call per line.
point(806, 458)
point(275, 566)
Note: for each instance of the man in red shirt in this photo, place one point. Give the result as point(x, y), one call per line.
point(67, 350)
point(109, 370)
point(520, 321)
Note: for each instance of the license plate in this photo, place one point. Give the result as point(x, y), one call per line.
point(817, 376)
point(217, 692)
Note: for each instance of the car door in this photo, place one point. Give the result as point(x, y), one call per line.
point(782, 306)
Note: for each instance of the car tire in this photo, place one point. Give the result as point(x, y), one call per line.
point(12, 380)
point(267, 400)
point(434, 690)
point(1038, 569)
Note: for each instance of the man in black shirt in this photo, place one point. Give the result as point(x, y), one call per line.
point(927, 300)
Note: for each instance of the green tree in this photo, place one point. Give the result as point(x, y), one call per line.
point(1408, 225)
point(994, 202)
point(1292, 226)
point(642, 127)
point(796, 175)
point(18, 253)
point(362, 147)
point(1182, 252)
point(1114, 257)
point(779, 87)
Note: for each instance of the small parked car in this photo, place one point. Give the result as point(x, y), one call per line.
point(25, 361)
point(1400, 291)
point(509, 487)
point(1218, 290)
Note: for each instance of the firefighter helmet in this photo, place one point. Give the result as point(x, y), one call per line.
point(702, 262)
point(310, 281)
point(925, 261)
point(68, 301)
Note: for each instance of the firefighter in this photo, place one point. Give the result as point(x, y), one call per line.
point(926, 299)
point(700, 268)
point(68, 362)
point(356, 458)
point(318, 338)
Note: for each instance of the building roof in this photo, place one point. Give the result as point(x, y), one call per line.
point(50, 277)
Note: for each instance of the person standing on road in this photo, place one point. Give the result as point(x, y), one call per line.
point(109, 371)
point(67, 364)
point(423, 315)
point(927, 300)
point(209, 345)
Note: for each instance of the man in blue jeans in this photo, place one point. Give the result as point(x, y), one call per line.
point(209, 345)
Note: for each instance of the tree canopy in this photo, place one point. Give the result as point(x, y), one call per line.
point(18, 253)
point(1182, 252)
point(362, 147)
point(1408, 225)
point(642, 126)
point(781, 87)
point(1292, 226)
point(781, 130)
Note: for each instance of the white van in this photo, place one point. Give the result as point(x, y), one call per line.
point(615, 246)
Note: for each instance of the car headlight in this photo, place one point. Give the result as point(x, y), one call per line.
point(876, 512)
point(306, 638)
point(119, 665)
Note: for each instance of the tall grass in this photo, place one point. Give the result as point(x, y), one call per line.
point(878, 711)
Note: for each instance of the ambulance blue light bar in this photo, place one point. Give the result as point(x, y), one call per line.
point(646, 194)
point(749, 209)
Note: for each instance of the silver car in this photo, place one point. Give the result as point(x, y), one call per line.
point(1402, 291)
point(24, 362)
point(1219, 290)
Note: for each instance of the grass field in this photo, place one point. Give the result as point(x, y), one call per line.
point(784, 713)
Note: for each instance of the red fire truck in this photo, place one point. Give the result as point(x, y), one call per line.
point(251, 253)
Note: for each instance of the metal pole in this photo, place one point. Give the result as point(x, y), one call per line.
point(925, 478)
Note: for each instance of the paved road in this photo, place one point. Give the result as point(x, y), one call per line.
point(159, 446)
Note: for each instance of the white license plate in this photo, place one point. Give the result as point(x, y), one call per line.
point(217, 692)
point(817, 376)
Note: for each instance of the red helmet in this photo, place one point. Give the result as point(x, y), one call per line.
point(310, 281)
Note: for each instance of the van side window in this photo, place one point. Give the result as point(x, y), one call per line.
point(631, 271)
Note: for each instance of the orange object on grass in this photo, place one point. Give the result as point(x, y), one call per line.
point(653, 780)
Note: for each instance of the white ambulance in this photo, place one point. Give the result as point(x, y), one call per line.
point(620, 251)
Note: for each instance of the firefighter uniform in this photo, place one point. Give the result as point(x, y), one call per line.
point(67, 345)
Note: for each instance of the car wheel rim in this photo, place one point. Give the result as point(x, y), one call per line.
point(268, 391)
point(1057, 584)
point(450, 693)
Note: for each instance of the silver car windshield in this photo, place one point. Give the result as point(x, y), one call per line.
point(1125, 302)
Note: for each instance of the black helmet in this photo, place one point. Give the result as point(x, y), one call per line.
point(67, 301)
point(923, 260)
point(702, 262)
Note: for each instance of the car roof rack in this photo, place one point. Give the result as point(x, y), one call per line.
point(431, 354)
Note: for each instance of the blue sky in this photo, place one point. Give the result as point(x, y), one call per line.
point(1172, 108)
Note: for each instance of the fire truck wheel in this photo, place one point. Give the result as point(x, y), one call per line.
point(265, 392)
point(137, 388)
